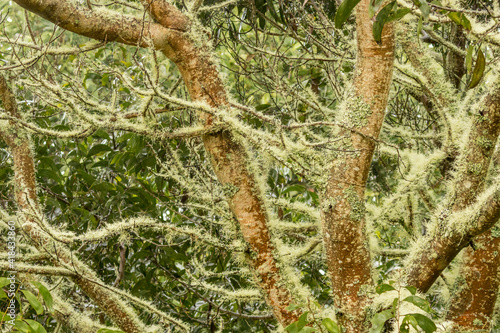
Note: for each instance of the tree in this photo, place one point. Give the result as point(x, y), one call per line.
point(204, 166)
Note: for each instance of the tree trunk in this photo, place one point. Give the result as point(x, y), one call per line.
point(478, 283)
point(343, 215)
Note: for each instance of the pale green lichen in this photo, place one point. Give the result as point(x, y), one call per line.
point(353, 112)
point(484, 142)
point(475, 168)
point(477, 322)
point(230, 190)
point(357, 205)
point(495, 231)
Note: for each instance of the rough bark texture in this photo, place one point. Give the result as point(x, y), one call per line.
point(27, 200)
point(101, 24)
point(473, 304)
point(343, 202)
point(468, 183)
point(455, 62)
point(200, 74)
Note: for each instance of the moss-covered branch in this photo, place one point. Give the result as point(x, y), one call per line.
point(343, 211)
point(464, 188)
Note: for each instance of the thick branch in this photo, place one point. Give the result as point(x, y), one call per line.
point(469, 179)
point(343, 201)
point(473, 304)
point(442, 244)
point(37, 269)
point(102, 24)
point(231, 164)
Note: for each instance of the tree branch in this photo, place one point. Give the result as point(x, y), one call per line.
point(472, 169)
point(102, 24)
point(343, 201)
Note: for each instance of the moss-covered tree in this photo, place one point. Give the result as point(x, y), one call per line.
point(204, 166)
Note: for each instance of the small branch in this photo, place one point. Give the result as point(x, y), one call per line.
point(121, 269)
point(37, 269)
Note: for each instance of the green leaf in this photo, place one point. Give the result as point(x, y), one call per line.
point(344, 11)
point(36, 326)
point(379, 320)
point(101, 133)
point(468, 58)
point(424, 322)
point(307, 329)
point(104, 186)
point(298, 325)
point(47, 297)
point(47, 163)
point(292, 328)
point(411, 289)
point(89, 179)
point(302, 320)
point(22, 326)
point(382, 288)
point(273, 12)
point(478, 71)
point(420, 302)
point(262, 107)
point(98, 149)
point(398, 14)
point(35, 303)
point(4, 281)
point(407, 321)
point(105, 79)
point(395, 303)
point(460, 19)
point(262, 22)
point(293, 307)
point(380, 21)
point(425, 9)
point(294, 188)
point(47, 173)
point(2, 294)
point(330, 325)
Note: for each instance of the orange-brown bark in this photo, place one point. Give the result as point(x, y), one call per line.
point(343, 201)
point(473, 304)
point(101, 24)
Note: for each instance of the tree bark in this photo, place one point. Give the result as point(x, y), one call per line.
point(455, 62)
point(343, 215)
point(478, 283)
